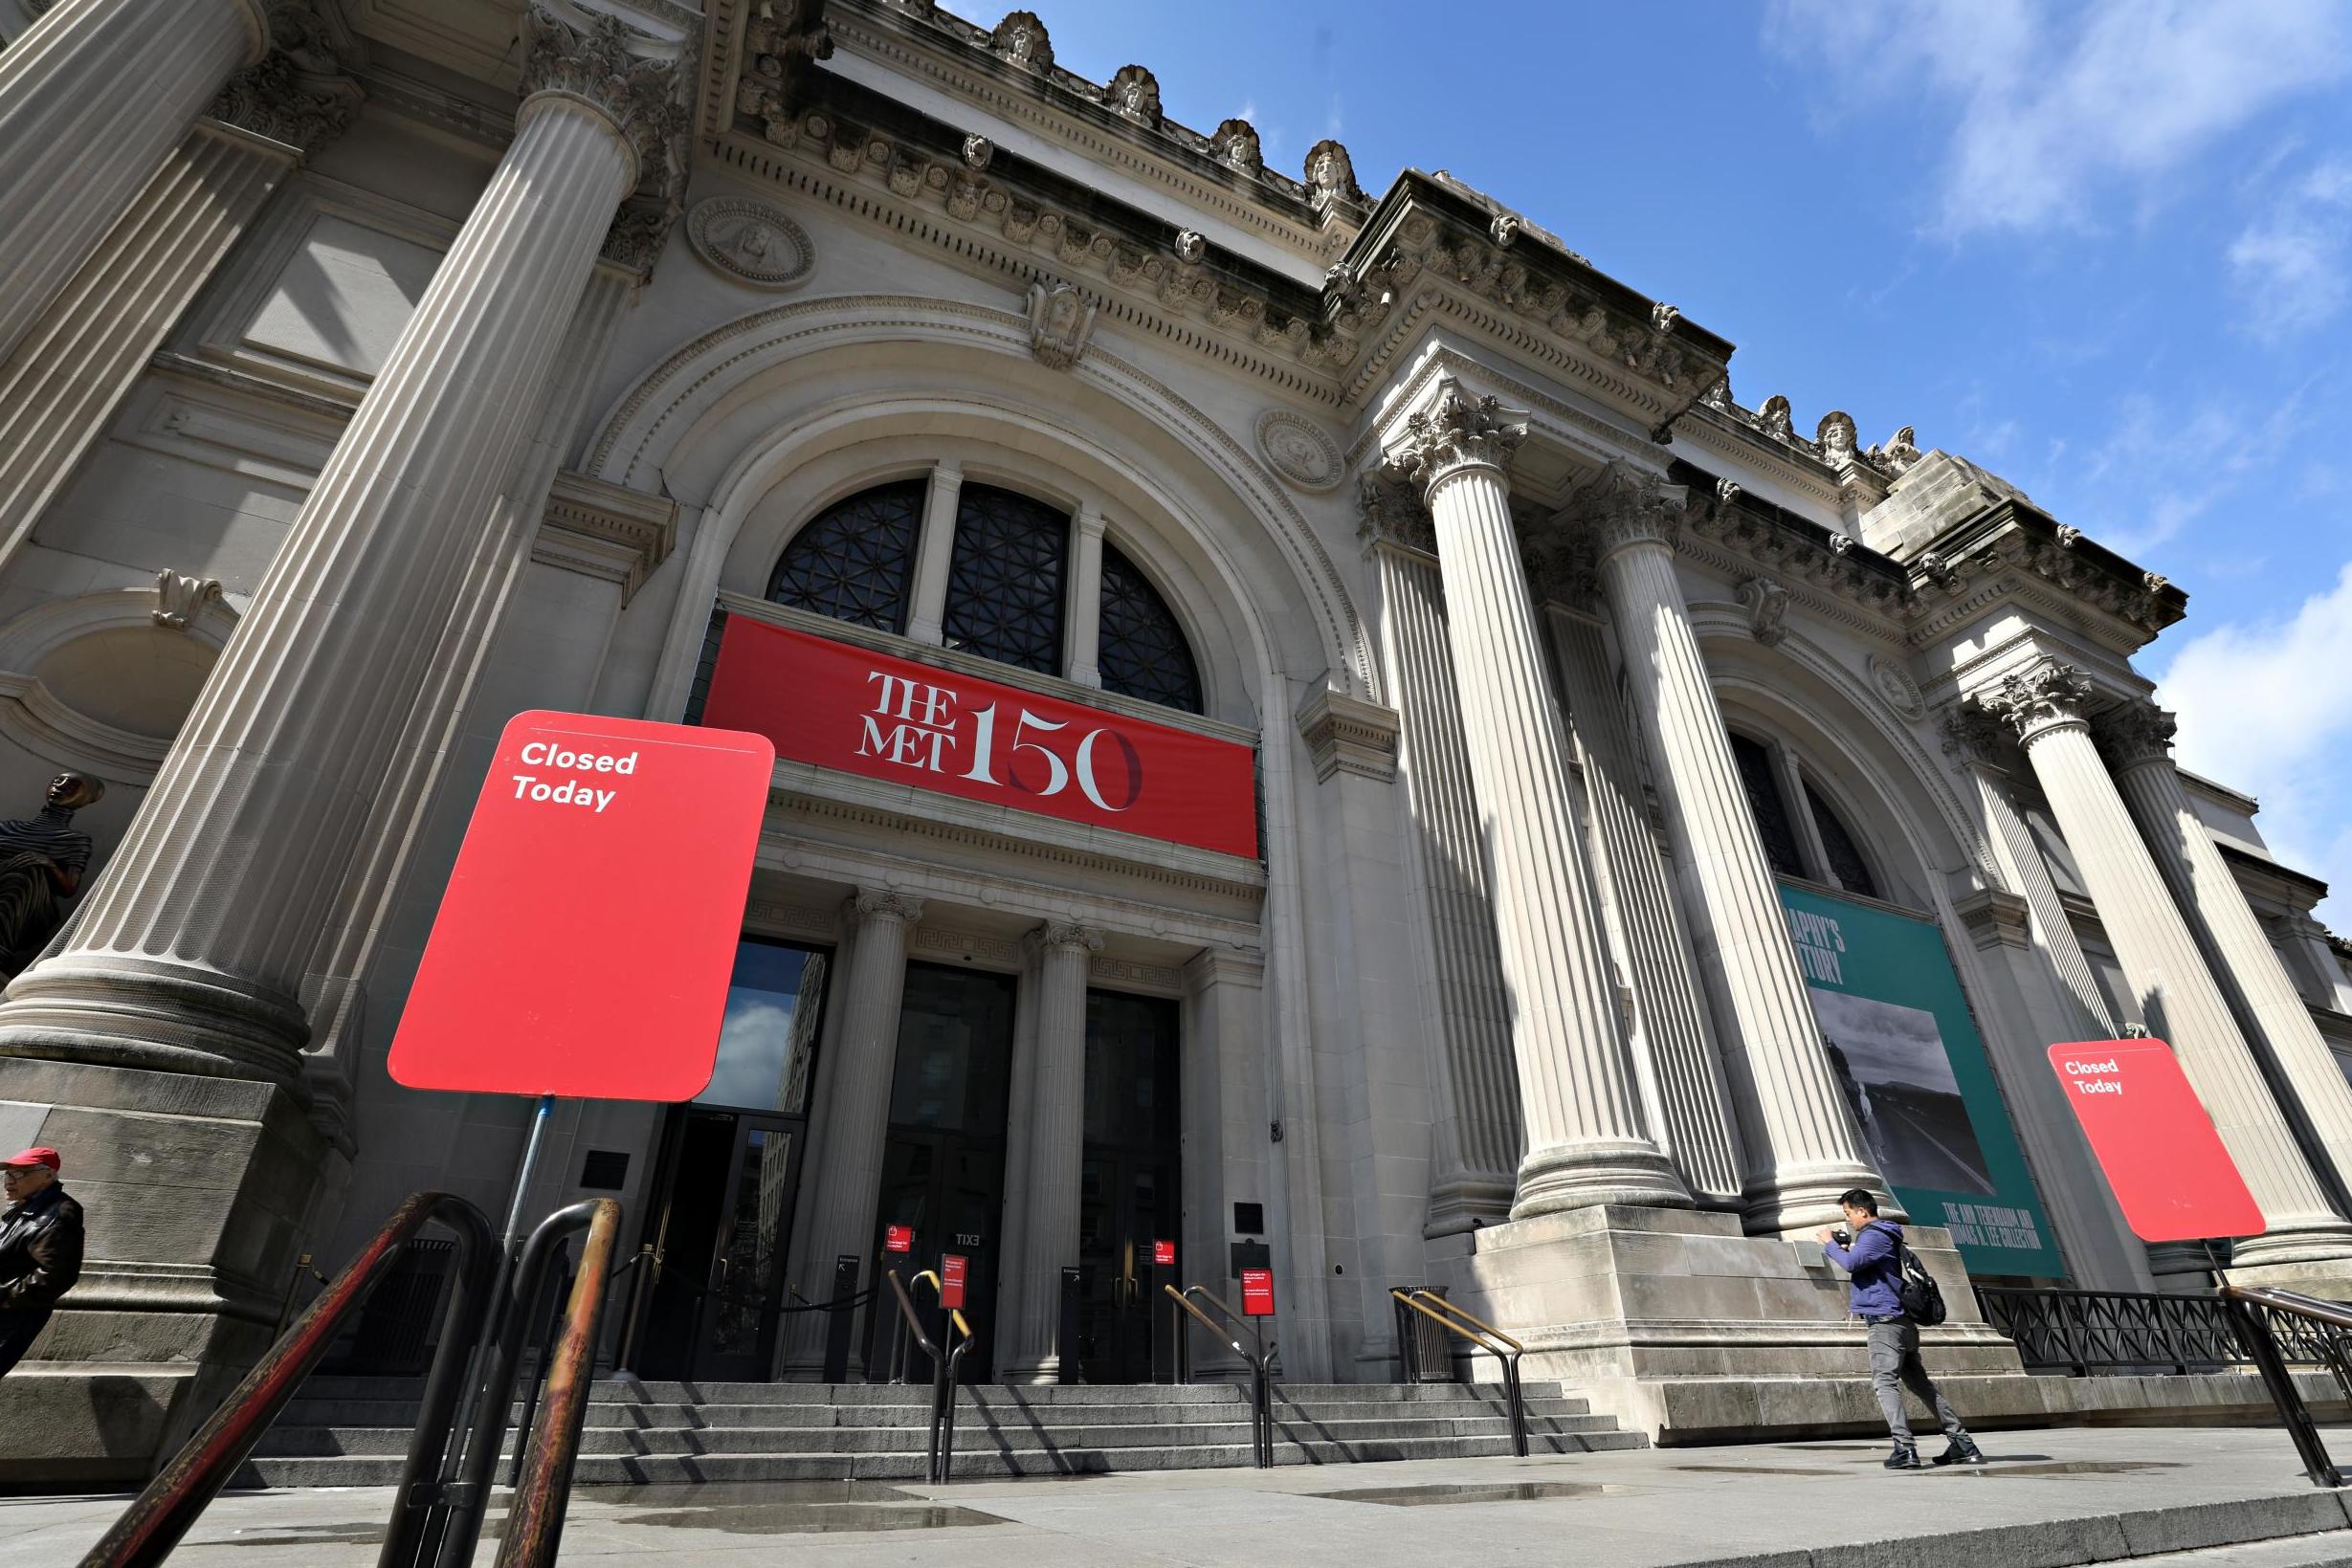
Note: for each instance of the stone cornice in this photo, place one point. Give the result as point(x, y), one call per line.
point(2012, 546)
point(1348, 735)
point(604, 530)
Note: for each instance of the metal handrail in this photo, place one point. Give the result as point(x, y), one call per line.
point(1262, 1365)
point(439, 1521)
point(2254, 1329)
point(1487, 1337)
point(542, 1485)
point(945, 1372)
point(163, 1513)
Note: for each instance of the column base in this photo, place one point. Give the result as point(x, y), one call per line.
point(1642, 1307)
point(1796, 1203)
point(1045, 1370)
point(1463, 1204)
point(198, 1193)
point(2323, 1246)
point(1567, 1177)
point(123, 1010)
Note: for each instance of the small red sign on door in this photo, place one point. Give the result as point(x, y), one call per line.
point(2171, 1173)
point(590, 836)
point(1257, 1292)
point(1163, 1254)
point(898, 1238)
point(951, 1272)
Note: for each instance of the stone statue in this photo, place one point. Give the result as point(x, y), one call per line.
point(42, 862)
point(1331, 174)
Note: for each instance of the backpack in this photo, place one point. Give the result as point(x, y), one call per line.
point(1922, 1298)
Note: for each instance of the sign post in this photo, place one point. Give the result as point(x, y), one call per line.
point(2172, 1174)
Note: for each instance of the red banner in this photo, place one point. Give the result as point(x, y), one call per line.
point(1257, 1292)
point(578, 834)
point(841, 707)
point(2172, 1176)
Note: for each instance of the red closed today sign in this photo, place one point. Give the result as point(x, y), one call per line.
point(898, 1238)
point(952, 1270)
point(1163, 1254)
point(592, 837)
point(841, 707)
point(1257, 1292)
point(2172, 1174)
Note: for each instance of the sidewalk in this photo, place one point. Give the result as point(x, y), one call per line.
point(2050, 1497)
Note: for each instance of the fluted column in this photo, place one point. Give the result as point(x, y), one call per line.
point(1082, 660)
point(2138, 741)
point(934, 553)
point(852, 1125)
point(1585, 1139)
point(1800, 1141)
point(190, 952)
point(1056, 1150)
point(1476, 1145)
point(92, 101)
point(2049, 705)
point(1671, 1023)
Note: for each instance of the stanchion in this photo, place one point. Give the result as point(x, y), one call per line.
point(838, 1331)
point(1067, 1343)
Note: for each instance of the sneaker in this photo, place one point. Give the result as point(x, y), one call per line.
point(1904, 1459)
point(1962, 1451)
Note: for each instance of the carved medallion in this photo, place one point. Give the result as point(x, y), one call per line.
point(1299, 450)
point(1893, 683)
point(752, 242)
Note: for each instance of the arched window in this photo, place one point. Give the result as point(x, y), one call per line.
point(1832, 854)
point(1144, 652)
point(856, 560)
point(1005, 579)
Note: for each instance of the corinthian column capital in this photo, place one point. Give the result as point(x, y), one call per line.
point(1066, 935)
point(1390, 511)
point(2047, 695)
point(1623, 506)
point(1458, 432)
point(298, 93)
point(2136, 735)
point(881, 904)
point(635, 81)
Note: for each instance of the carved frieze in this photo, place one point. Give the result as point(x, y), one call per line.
point(1299, 450)
point(751, 241)
point(1061, 321)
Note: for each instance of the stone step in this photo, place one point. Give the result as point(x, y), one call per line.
point(598, 1469)
point(971, 1435)
point(614, 1390)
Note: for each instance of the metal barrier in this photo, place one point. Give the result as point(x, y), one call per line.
point(542, 1485)
point(163, 1513)
point(2254, 1311)
point(2082, 1332)
point(945, 1370)
point(1461, 1322)
point(1262, 1365)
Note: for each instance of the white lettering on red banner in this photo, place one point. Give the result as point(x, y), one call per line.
point(840, 707)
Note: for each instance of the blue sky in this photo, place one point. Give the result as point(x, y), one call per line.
point(2104, 249)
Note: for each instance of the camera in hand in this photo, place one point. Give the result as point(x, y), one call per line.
point(1842, 1236)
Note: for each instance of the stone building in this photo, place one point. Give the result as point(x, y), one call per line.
point(1606, 819)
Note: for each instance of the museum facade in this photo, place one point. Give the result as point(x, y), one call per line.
point(1311, 725)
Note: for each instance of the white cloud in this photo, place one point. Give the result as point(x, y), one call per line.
point(2263, 707)
point(2163, 466)
point(2289, 264)
point(2047, 111)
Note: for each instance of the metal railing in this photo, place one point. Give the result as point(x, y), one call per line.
point(543, 1483)
point(2084, 1332)
point(1262, 1364)
point(1466, 1325)
point(2254, 1311)
point(163, 1513)
point(944, 1370)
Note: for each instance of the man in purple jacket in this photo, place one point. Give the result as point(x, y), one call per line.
point(1873, 1260)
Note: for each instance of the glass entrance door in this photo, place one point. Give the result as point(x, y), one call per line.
point(943, 1165)
point(721, 1238)
point(1128, 1196)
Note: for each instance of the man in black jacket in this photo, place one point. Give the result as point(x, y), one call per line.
point(40, 1249)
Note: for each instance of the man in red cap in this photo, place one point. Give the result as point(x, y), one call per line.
point(40, 1249)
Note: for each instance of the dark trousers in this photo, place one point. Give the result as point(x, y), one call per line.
point(1894, 1365)
point(18, 1332)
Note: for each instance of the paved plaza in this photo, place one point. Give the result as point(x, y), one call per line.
point(2185, 1496)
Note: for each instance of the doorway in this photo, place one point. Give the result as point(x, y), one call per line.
point(1128, 1196)
point(722, 1226)
point(944, 1163)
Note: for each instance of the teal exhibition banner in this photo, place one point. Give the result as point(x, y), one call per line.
point(1916, 1076)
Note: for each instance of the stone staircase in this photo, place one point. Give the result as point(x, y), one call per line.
point(352, 1431)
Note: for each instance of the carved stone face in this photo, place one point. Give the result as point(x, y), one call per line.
point(73, 791)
